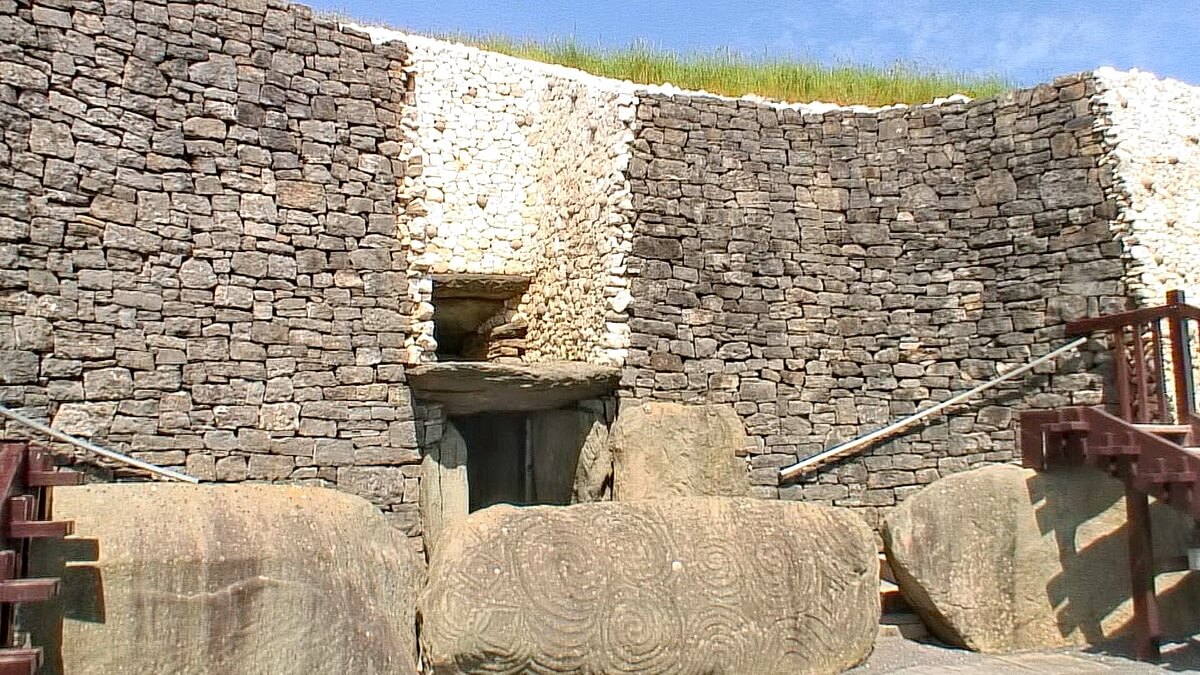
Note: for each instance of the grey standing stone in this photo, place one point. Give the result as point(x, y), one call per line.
point(1003, 559)
point(218, 564)
point(444, 493)
point(663, 450)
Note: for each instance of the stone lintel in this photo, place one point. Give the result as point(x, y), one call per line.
point(470, 387)
point(479, 286)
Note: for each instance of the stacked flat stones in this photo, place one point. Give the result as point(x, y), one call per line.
point(219, 221)
point(198, 224)
point(825, 273)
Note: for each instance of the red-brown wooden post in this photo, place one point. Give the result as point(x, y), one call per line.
point(1140, 374)
point(1181, 358)
point(1161, 414)
point(1146, 632)
point(1121, 375)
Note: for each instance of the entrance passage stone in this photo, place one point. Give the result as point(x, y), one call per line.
point(1002, 559)
point(701, 585)
point(445, 490)
point(672, 450)
point(258, 579)
point(571, 459)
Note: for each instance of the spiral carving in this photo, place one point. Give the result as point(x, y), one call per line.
point(701, 585)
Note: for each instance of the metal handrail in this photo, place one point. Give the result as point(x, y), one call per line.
point(805, 466)
point(92, 447)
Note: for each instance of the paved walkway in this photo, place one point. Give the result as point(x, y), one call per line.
point(897, 655)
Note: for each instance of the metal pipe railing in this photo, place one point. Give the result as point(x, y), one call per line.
point(806, 465)
point(93, 448)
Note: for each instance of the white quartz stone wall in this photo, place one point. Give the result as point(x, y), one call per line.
point(576, 303)
point(523, 172)
point(1152, 136)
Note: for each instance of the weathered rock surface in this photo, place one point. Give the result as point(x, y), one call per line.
point(465, 388)
point(689, 585)
point(673, 450)
point(1003, 559)
point(594, 471)
point(479, 286)
point(241, 182)
point(445, 491)
point(237, 579)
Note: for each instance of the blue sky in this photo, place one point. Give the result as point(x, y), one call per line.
point(1027, 40)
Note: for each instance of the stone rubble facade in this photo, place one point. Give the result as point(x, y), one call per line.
point(827, 274)
point(523, 173)
point(1152, 144)
point(220, 224)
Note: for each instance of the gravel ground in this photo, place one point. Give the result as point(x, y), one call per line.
point(897, 655)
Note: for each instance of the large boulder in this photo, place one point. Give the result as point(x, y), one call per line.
point(1003, 559)
point(231, 579)
point(663, 450)
point(701, 585)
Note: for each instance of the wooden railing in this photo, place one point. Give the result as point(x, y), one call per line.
point(27, 477)
point(1140, 341)
point(1145, 438)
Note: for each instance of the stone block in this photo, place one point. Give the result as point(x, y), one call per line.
point(218, 564)
point(379, 484)
point(687, 584)
point(18, 367)
point(107, 384)
point(270, 467)
point(975, 553)
point(663, 450)
point(231, 469)
point(279, 416)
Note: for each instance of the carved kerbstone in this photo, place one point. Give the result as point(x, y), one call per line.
point(708, 585)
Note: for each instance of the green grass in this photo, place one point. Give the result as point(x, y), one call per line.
point(728, 73)
point(731, 74)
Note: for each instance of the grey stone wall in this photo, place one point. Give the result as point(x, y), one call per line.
point(828, 273)
point(218, 222)
point(199, 208)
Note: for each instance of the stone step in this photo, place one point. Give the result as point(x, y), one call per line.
point(902, 625)
point(1171, 432)
point(885, 569)
point(891, 599)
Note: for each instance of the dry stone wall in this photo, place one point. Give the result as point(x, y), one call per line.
point(1152, 146)
point(523, 173)
point(202, 262)
point(826, 273)
point(219, 223)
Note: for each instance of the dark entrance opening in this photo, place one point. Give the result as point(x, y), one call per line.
point(520, 458)
point(471, 317)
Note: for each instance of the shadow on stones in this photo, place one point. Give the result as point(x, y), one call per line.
point(1093, 582)
point(80, 596)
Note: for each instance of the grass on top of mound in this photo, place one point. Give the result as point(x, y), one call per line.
point(731, 74)
point(728, 73)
